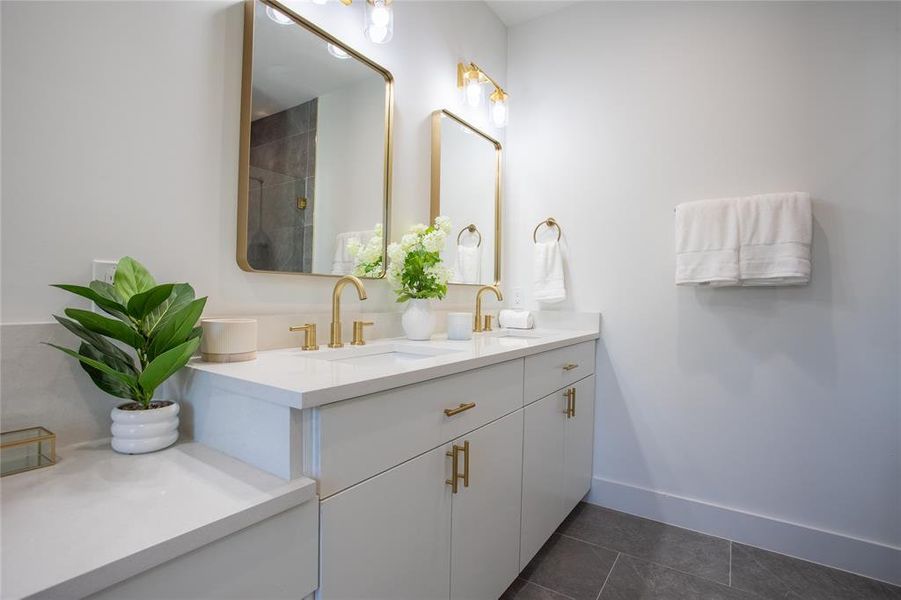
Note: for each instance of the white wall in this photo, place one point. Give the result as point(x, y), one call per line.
point(120, 136)
point(468, 193)
point(350, 172)
point(779, 403)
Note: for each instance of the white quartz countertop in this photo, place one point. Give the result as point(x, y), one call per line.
point(97, 517)
point(299, 379)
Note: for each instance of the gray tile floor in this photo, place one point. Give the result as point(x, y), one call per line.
point(602, 554)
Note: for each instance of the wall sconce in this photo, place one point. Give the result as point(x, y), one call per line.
point(378, 20)
point(470, 79)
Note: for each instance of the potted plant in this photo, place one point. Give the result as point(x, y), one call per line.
point(151, 336)
point(416, 271)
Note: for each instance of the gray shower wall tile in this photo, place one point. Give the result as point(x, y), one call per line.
point(286, 156)
point(291, 121)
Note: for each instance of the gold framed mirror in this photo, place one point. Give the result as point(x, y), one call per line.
point(314, 183)
point(466, 187)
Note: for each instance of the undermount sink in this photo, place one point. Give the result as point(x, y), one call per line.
point(383, 354)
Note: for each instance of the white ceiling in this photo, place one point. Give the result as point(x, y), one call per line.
point(515, 12)
point(292, 65)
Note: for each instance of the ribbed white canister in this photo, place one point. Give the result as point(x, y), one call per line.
point(228, 340)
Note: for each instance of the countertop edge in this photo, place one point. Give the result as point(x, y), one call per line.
point(347, 391)
point(316, 398)
point(298, 491)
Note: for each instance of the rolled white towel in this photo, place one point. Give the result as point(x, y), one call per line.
point(515, 319)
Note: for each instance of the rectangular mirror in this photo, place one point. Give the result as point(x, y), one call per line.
point(466, 187)
point(315, 160)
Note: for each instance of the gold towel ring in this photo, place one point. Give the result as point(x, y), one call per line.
point(471, 228)
point(550, 222)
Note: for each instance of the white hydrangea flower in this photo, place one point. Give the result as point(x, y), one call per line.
point(409, 240)
point(434, 242)
point(443, 223)
point(419, 228)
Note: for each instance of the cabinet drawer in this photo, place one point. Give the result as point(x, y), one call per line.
point(364, 436)
point(549, 371)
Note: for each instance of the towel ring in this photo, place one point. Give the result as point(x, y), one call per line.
point(550, 222)
point(471, 228)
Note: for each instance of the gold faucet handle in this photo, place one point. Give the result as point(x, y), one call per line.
point(488, 319)
point(358, 332)
point(309, 338)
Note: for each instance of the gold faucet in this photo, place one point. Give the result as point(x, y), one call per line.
point(335, 341)
point(477, 323)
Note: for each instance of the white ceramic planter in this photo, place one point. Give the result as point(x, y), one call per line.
point(140, 431)
point(418, 319)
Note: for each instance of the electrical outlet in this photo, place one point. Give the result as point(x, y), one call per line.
point(517, 298)
point(103, 270)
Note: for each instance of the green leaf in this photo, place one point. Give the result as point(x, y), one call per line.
point(111, 306)
point(140, 305)
point(124, 362)
point(182, 294)
point(176, 328)
point(107, 383)
point(131, 278)
point(165, 365)
point(107, 290)
point(128, 380)
point(108, 327)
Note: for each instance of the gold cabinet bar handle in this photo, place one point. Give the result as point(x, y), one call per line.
point(454, 465)
point(572, 412)
point(462, 408)
point(466, 464)
point(570, 366)
point(568, 394)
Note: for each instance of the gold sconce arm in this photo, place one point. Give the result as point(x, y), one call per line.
point(472, 71)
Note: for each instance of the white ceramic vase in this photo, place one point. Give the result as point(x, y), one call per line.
point(140, 431)
point(418, 319)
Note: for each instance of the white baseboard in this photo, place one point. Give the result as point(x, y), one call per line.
point(865, 557)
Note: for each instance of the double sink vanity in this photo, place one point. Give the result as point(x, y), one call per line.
point(441, 467)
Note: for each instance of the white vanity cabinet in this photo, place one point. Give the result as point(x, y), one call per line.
point(486, 514)
point(557, 461)
point(406, 534)
point(392, 525)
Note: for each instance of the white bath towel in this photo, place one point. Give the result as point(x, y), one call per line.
point(548, 283)
point(469, 265)
point(776, 231)
point(343, 263)
point(515, 319)
point(707, 242)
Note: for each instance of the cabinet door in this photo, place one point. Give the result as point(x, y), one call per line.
point(543, 506)
point(485, 521)
point(579, 445)
point(389, 536)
